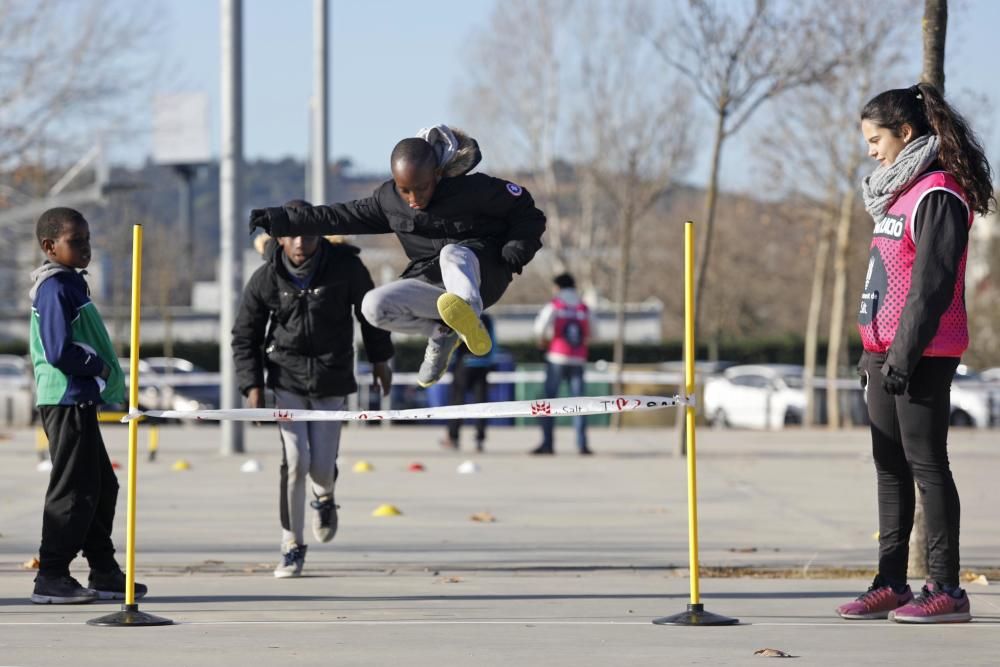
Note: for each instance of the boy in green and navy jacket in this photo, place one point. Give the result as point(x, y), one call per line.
point(76, 370)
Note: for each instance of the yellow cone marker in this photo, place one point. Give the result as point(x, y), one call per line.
point(386, 510)
point(363, 466)
point(181, 464)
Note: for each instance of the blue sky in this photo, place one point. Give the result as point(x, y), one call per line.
point(395, 65)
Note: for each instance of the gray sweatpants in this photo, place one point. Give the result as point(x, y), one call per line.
point(309, 448)
point(410, 305)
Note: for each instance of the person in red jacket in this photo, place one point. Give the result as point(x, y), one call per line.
point(563, 329)
point(932, 177)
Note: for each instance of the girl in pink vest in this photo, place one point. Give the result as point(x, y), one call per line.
point(932, 177)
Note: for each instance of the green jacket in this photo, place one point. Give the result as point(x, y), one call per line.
point(69, 343)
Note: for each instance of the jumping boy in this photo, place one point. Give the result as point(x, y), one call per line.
point(465, 234)
point(76, 370)
point(295, 320)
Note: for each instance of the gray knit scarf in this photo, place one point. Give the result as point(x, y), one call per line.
point(882, 185)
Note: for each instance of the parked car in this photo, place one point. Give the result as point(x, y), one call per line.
point(15, 372)
point(182, 385)
point(756, 396)
point(975, 399)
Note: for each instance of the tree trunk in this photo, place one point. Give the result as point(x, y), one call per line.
point(585, 267)
point(621, 281)
point(710, 197)
point(838, 303)
point(812, 323)
point(935, 28)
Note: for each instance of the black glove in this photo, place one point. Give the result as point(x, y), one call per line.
point(513, 256)
point(273, 220)
point(894, 381)
point(259, 218)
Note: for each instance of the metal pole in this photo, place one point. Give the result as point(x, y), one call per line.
point(320, 144)
point(230, 211)
point(185, 220)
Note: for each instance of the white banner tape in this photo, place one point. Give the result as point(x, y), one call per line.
point(551, 407)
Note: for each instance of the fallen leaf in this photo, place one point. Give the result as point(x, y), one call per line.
point(772, 653)
point(32, 564)
point(483, 517)
point(973, 578)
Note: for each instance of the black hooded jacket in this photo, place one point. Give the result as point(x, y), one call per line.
point(497, 219)
point(305, 337)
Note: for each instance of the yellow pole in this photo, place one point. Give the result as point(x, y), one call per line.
point(133, 404)
point(689, 415)
point(41, 444)
point(154, 442)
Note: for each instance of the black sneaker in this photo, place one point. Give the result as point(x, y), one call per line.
point(111, 585)
point(60, 589)
point(325, 519)
point(542, 450)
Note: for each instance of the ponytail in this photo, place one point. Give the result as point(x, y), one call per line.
point(961, 154)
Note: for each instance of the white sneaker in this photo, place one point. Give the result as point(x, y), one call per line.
point(325, 519)
point(440, 347)
point(291, 563)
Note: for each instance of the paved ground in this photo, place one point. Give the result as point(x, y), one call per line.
point(584, 552)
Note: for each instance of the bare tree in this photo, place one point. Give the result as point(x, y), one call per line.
point(935, 29)
point(736, 61)
point(871, 42)
point(67, 69)
point(633, 127)
point(514, 87)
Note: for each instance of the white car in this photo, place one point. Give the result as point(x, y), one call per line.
point(975, 399)
point(756, 396)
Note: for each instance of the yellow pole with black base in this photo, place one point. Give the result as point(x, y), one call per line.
point(695, 613)
point(130, 614)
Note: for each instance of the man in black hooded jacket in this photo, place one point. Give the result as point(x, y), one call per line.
point(465, 234)
point(295, 322)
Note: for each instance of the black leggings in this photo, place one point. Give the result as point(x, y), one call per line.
point(910, 443)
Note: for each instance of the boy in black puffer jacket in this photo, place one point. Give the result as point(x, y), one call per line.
point(465, 234)
point(295, 321)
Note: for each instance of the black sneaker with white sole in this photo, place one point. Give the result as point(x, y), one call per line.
point(111, 585)
point(60, 589)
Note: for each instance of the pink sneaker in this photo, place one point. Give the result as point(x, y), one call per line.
point(877, 602)
point(934, 605)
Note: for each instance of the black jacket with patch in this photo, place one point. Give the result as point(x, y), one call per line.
point(305, 337)
point(495, 218)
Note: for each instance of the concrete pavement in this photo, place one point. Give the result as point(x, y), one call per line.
point(584, 552)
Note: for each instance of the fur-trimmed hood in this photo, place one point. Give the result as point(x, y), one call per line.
point(466, 157)
point(457, 152)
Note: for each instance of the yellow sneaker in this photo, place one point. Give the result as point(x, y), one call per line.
point(460, 316)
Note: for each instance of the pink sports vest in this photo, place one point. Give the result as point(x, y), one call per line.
point(893, 251)
point(572, 327)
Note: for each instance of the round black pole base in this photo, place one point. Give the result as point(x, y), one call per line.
point(696, 615)
point(129, 616)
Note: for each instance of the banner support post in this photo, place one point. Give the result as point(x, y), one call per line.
point(695, 613)
point(130, 614)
